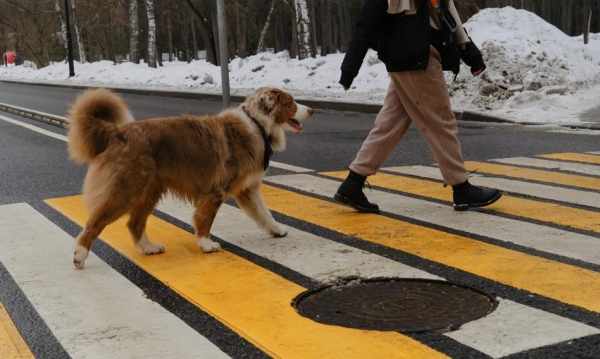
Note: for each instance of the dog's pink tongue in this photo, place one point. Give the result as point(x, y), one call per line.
point(295, 124)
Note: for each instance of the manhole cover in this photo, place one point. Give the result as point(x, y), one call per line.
point(403, 305)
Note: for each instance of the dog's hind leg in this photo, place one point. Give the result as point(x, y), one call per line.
point(204, 216)
point(101, 216)
point(251, 201)
point(138, 217)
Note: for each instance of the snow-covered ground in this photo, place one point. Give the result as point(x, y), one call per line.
point(535, 73)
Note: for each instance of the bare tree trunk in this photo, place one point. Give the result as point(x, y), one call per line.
point(326, 26)
point(242, 14)
point(63, 26)
point(303, 26)
point(261, 42)
point(335, 30)
point(194, 39)
point(207, 34)
point(294, 36)
point(134, 32)
point(170, 37)
point(151, 46)
point(587, 23)
point(313, 27)
point(343, 42)
point(239, 30)
point(565, 21)
point(215, 30)
point(278, 43)
point(546, 10)
point(294, 49)
point(186, 38)
point(158, 58)
point(80, 46)
point(110, 50)
point(243, 40)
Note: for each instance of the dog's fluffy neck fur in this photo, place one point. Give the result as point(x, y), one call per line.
point(267, 140)
point(276, 135)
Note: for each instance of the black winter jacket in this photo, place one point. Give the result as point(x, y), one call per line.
point(401, 41)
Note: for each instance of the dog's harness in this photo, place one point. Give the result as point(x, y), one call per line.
point(267, 139)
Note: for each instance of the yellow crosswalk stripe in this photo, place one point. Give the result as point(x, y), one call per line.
point(574, 157)
point(520, 207)
point(536, 175)
point(12, 345)
point(249, 299)
point(559, 281)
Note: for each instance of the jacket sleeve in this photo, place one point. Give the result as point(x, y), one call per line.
point(368, 27)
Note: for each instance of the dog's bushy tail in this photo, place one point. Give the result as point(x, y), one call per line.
point(93, 119)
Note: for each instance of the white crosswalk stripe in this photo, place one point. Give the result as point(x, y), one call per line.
point(105, 316)
point(559, 165)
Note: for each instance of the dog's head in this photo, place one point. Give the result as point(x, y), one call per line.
point(278, 112)
point(279, 106)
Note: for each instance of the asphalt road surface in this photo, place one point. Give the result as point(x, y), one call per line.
point(535, 253)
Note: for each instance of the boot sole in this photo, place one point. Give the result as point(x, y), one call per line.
point(343, 200)
point(466, 206)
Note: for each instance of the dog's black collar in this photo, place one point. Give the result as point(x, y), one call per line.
point(267, 139)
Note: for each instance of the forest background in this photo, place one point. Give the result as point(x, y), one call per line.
point(184, 30)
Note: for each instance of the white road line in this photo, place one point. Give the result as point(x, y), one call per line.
point(34, 128)
point(291, 168)
point(325, 260)
point(551, 240)
point(567, 195)
point(549, 164)
point(97, 314)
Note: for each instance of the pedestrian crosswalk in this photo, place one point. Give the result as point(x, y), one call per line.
point(537, 251)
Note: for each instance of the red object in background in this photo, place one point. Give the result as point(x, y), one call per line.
point(10, 57)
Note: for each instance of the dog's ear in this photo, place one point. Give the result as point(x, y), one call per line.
point(269, 99)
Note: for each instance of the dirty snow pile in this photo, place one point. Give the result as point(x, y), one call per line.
point(535, 73)
point(532, 67)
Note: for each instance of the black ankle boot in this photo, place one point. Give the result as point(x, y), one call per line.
point(466, 195)
point(351, 194)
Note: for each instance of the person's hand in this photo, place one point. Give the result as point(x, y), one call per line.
point(476, 73)
point(346, 88)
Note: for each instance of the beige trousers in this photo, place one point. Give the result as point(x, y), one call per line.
point(421, 97)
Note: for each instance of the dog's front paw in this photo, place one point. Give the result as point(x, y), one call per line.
point(146, 247)
point(79, 257)
point(207, 245)
point(143, 245)
point(280, 231)
point(154, 248)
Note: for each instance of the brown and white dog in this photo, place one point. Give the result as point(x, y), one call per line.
point(203, 160)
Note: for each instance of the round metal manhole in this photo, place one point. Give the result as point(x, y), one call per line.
point(395, 304)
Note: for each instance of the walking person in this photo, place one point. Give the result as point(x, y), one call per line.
point(416, 40)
